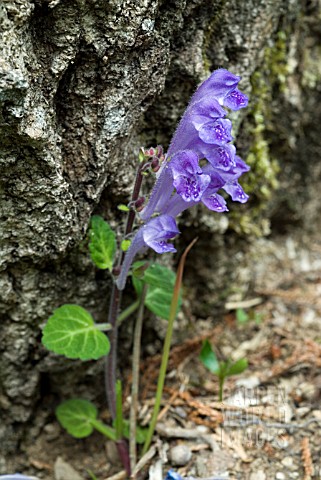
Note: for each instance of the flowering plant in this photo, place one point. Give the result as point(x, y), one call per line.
point(200, 162)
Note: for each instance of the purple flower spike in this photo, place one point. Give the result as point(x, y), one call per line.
point(236, 100)
point(189, 180)
point(217, 133)
point(158, 231)
point(202, 133)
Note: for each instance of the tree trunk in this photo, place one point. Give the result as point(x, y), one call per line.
point(83, 84)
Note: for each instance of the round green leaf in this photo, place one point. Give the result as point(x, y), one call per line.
point(71, 331)
point(76, 417)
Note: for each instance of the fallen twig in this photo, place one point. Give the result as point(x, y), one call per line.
point(306, 458)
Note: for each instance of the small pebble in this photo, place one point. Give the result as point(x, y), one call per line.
point(259, 475)
point(64, 471)
point(52, 431)
point(301, 412)
point(280, 476)
point(180, 412)
point(290, 465)
point(112, 452)
point(317, 414)
point(287, 462)
point(180, 455)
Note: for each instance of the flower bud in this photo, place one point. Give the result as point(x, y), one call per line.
point(155, 166)
point(150, 152)
point(139, 204)
point(159, 152)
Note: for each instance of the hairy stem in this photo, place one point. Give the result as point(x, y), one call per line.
point(135, 380)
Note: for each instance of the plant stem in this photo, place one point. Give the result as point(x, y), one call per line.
point(220, 392)
point(104, 429)
point(110, 364)
point(111, 359)
point(119, 411)
point(103, 327)
point(127, 312)
point(135, 380)
point(166, 348)
point(115, 299)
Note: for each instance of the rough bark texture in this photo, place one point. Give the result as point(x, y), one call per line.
point(82, 85)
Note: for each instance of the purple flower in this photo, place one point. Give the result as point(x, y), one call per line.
point(189, 180)
point(16, 476)
point(221, 157)
point(153, 234)
point(220, 84)
point(216, 133)
point(236, 100)
point(171, 475)
point(156, 233)
point(210, 198)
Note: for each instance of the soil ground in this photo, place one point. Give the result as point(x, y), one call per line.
point(268, 426)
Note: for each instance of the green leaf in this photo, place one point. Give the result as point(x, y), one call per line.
point(237, 367)
point(92, 475)
point(158, 301)
point(141, 433)
point(157, 275)
point(71, 331)
point(138, 269)
point(79, 418)
point(160, 281)
point(76, 417)
point(123, 208)
point(102, 244)
point(209, 359)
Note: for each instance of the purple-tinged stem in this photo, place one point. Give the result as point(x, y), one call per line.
point(111, 359)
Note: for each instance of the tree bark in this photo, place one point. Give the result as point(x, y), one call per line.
point(83, 84)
